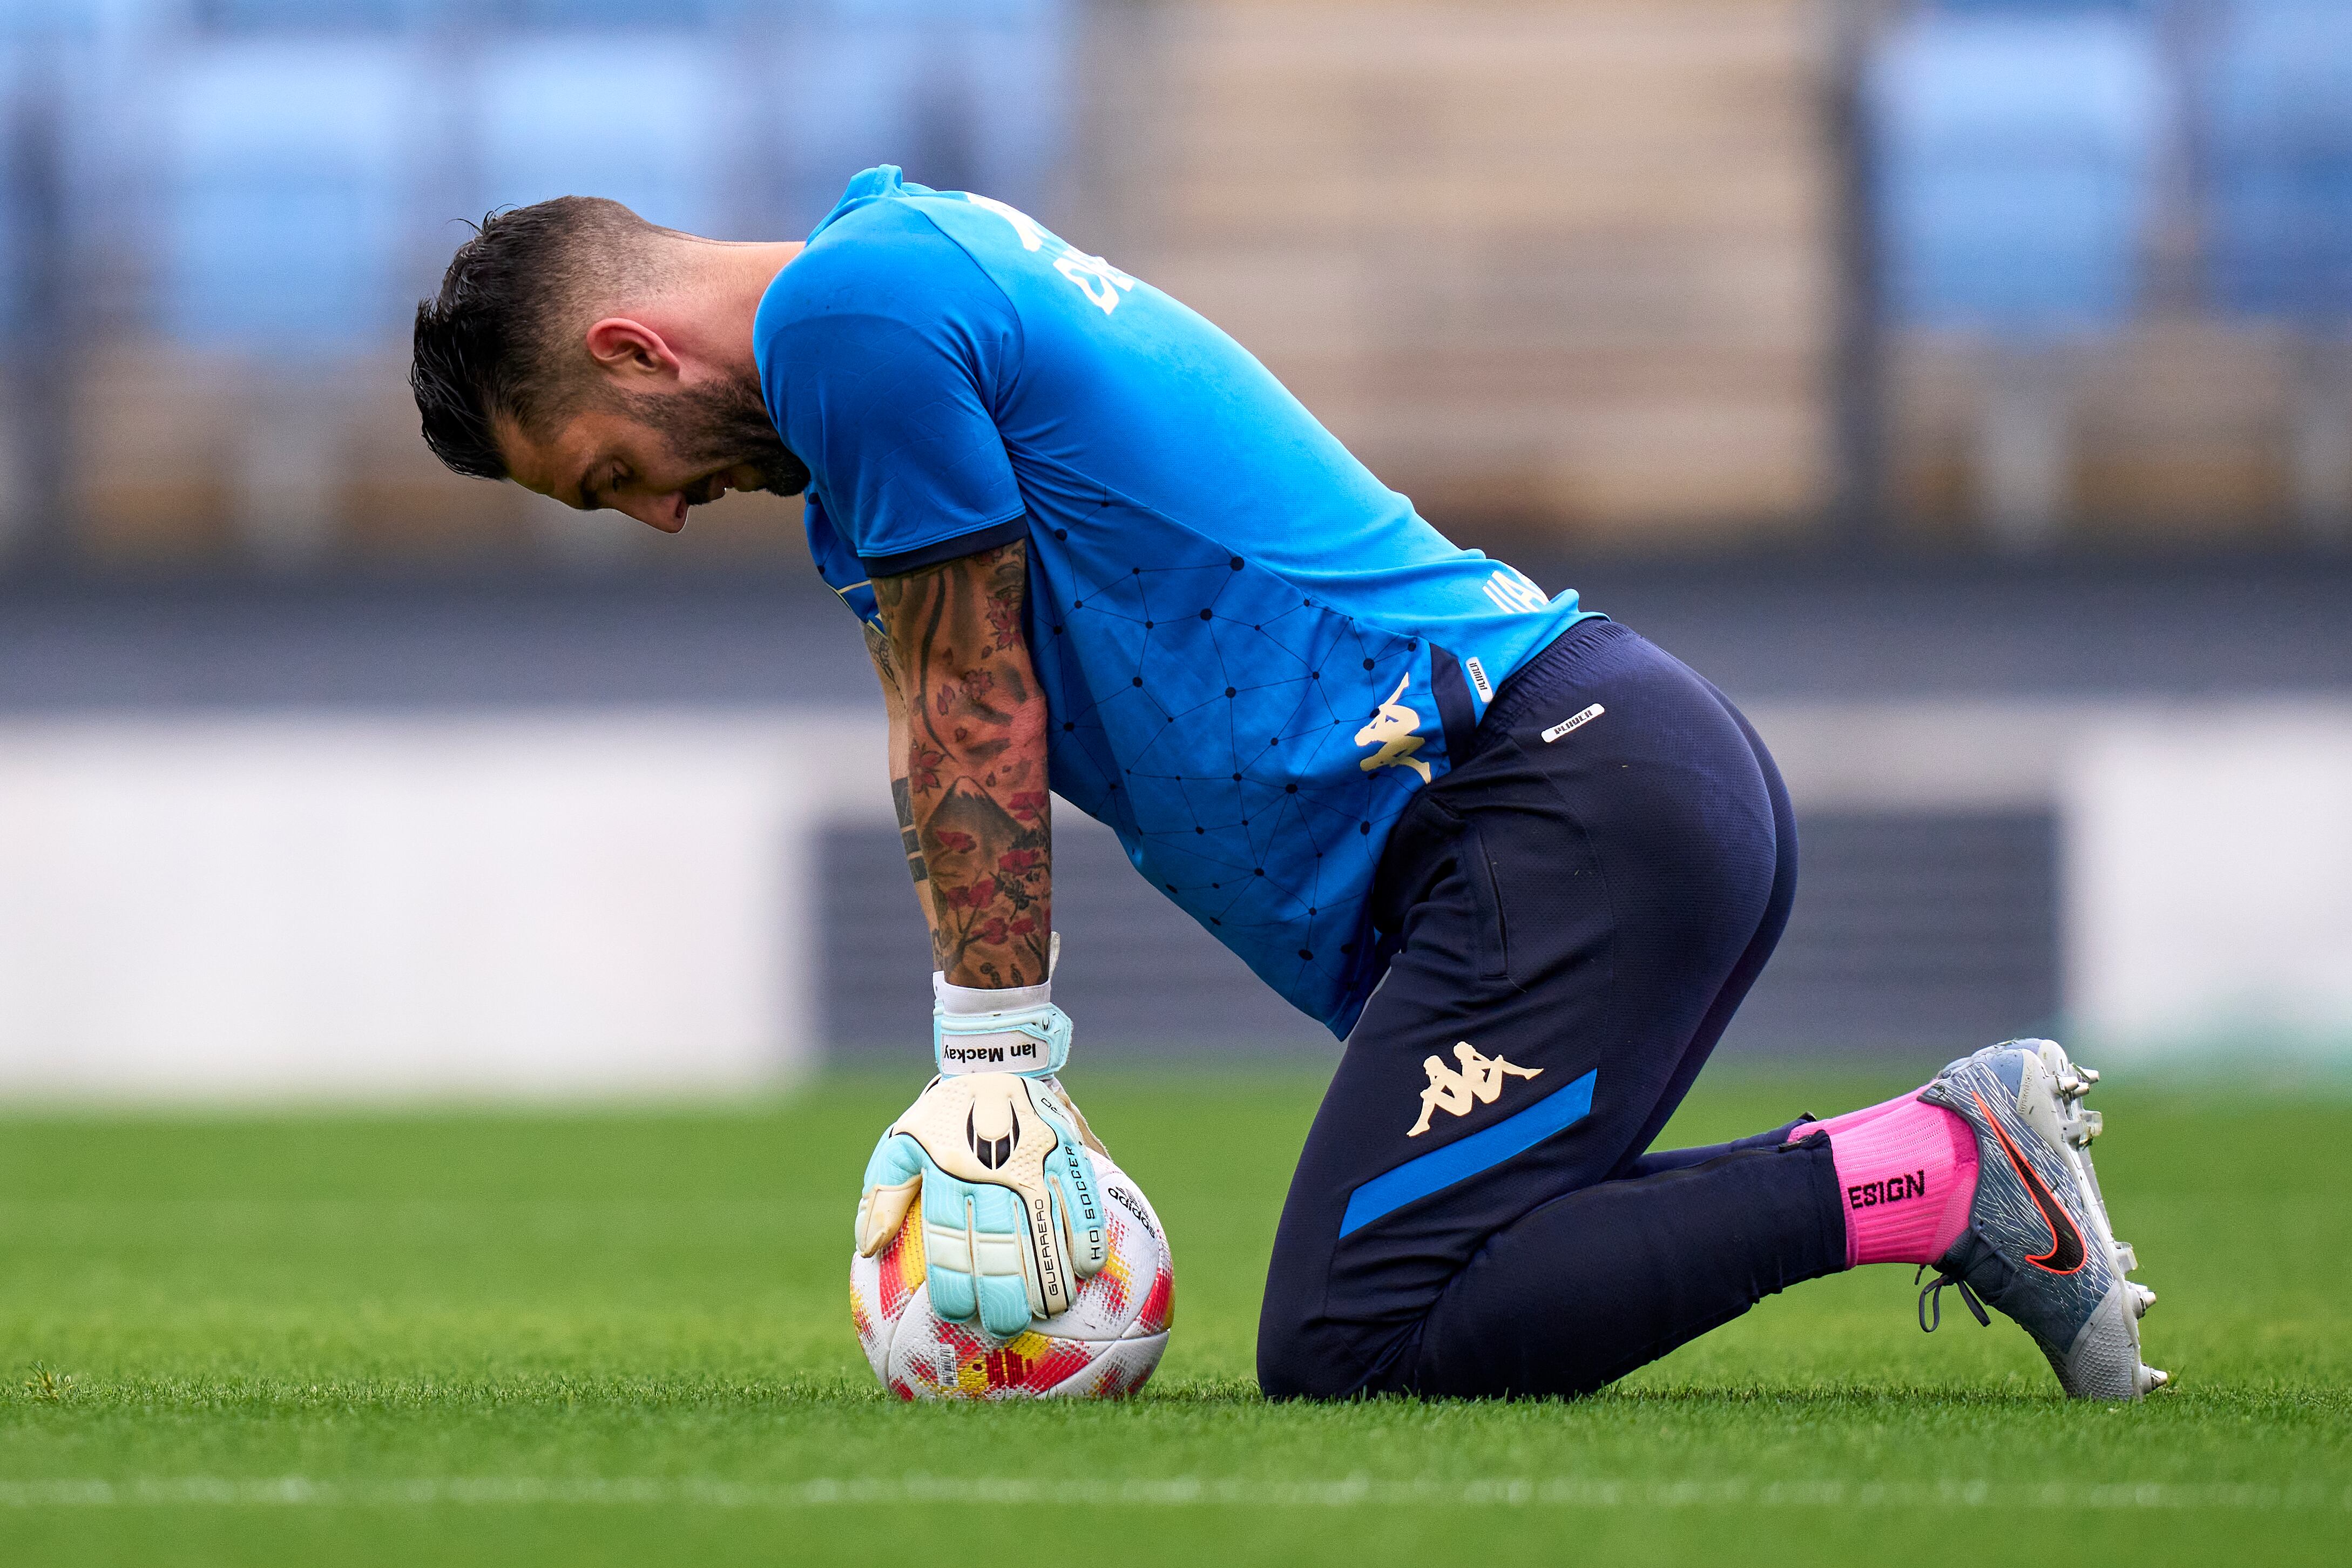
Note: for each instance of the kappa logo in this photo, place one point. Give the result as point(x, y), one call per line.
point(1479, 1082)
point(1391, 730)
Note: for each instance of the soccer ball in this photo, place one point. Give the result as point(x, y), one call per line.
point(1103, 1347)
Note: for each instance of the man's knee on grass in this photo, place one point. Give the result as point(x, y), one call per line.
point(1298, 1360)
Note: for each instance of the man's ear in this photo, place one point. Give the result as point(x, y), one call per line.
point(631, 350)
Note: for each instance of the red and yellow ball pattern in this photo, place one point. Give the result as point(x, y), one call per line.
point(1104, 1346)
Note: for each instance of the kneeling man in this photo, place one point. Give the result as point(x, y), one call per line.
point(1524, 862)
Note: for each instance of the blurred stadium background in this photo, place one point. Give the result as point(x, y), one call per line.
point(1965, 385)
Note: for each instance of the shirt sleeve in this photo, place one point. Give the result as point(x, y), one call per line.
point(894, 353)
point(843, 572)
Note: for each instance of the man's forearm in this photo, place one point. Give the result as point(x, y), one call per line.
point(974, 760)
point(894, 699)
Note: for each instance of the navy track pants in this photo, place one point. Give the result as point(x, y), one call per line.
point(1574, 914)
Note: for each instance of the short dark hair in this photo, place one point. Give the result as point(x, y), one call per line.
point(499, 338)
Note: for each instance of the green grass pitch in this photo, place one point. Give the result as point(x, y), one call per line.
point(590, 1338)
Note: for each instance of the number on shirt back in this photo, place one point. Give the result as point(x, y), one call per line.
point(1098, 279)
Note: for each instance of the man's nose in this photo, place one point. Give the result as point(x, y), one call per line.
point(666, 512)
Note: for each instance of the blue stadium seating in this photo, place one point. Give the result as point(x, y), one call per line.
point(282, 181)
point(283, 171)
point(2042, 9)
point(2015, 159)
point(547, 129)
point(22, 19)
point(41, 42)
point(2279, 94)
point(235, 17)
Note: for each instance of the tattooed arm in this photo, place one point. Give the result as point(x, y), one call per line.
point(1008, 1233)
point(971, 762)
point(877, 646)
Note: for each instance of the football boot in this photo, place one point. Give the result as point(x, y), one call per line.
point(2038, 1247)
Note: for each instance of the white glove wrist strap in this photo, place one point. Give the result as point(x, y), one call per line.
point(1012, 1028)
point(1034, 1040)
point(975, 1001)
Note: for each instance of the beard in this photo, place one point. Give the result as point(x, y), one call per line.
point(718, 425)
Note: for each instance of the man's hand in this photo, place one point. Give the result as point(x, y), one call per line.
point(1012, 1215)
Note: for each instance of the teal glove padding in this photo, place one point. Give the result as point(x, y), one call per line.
point(1012, 1216)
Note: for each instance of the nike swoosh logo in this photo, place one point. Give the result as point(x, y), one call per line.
point(2065, 1253)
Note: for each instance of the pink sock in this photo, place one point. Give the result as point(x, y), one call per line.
point(1906, 1171)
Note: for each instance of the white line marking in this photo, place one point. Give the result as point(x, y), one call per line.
point(1166, 1491)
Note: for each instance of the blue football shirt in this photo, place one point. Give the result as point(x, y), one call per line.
point(1253, 652)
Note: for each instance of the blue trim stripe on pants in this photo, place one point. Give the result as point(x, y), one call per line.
point(1440, 1168)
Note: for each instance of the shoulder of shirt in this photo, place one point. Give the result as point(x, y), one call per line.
point(885, 260)
point(868, 257)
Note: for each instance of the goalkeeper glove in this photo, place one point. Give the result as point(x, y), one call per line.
point(1012, 1215)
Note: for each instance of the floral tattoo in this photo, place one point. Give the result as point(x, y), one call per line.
point(975, 763)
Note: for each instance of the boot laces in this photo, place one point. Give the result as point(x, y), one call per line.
point(1932, 1296)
